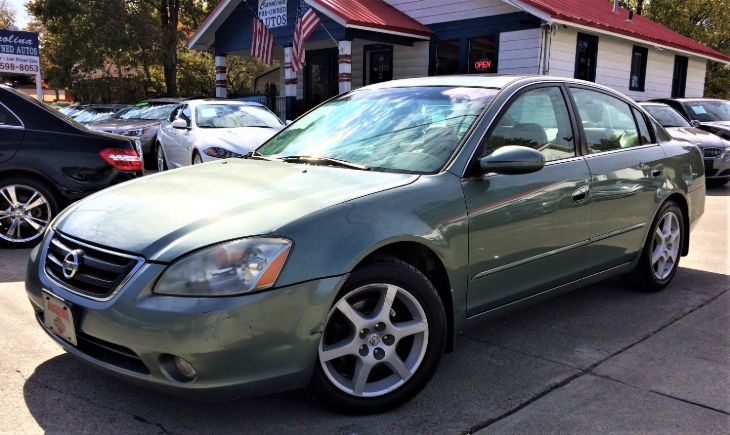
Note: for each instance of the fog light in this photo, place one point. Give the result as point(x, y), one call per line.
point(185, 368)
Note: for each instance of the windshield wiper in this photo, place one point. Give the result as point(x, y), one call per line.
point(258, 156)
point(325, 160)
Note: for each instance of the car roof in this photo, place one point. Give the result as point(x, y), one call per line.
point(682, 100)
point(222, 102)
point(653, 103)
point(164, 100)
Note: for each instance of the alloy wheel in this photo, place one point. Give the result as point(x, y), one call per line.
point(665, 245)
point(160, 159)
point(24, 213)
point(374, 340)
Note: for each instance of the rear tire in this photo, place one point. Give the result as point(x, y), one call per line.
point(661, 253)
point(382, 340)
point(27, 207)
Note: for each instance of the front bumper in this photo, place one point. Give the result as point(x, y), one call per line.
point(240, 346)
point(717, 168)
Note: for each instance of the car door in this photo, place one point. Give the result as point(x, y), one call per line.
point(524, 229)
point(11, 133)
point(626, 168)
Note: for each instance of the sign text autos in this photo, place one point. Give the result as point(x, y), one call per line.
point(19, 52)
point(273, 13)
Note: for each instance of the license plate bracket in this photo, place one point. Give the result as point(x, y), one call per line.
point(58, 317)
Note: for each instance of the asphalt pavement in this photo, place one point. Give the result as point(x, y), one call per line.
point(598, 360)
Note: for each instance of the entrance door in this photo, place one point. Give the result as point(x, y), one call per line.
point(679, 81)
point(320, 82)
point(379, 63)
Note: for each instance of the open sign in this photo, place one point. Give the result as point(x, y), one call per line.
point(483, 65)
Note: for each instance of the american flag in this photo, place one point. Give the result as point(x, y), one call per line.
point(262, 45)
point(307, 21)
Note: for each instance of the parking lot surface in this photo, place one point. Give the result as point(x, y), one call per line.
point(601, 359)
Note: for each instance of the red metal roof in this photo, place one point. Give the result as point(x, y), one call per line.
point(599, 14)
point(374, 14)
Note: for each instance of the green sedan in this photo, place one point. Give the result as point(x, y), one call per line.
point(345, 254)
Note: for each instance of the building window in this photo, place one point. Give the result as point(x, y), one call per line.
point(447, 57)
point(482, 55)
point(639, 56)
point(679, 81)
point(586, 54)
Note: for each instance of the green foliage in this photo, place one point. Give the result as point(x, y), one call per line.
point(706, 21)
point(7, 15)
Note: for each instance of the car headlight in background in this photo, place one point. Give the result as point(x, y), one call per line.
point(232, 268)
point(221, 153)
point(138, 132)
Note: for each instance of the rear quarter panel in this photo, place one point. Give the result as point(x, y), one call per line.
point(685, 174)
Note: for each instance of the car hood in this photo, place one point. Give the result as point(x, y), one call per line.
point(164, 216)
point(700, 137)
point(115, 124)
point(239, 140)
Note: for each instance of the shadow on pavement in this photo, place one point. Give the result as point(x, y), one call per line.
point(495, 368)
point(12, 264)
point(719, 191)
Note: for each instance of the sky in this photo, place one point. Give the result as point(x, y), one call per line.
point(21, 16)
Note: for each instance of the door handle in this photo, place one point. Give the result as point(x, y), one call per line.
point(657, 170)
point(580, 193)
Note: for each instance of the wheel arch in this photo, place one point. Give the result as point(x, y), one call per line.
point(427, 262)
point(681, 201)
point(15, 172)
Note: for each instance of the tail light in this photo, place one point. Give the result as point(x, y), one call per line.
point(122, 160)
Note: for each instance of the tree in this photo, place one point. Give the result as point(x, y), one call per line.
point(7, 15)
point(706, 21)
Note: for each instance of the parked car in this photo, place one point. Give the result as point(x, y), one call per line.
point(708, 114)
point(73, 109)
point(47, 161)
point(715, 149)
point(346, 252)
point(97, 112)
point(141, 122)
point(200, 131)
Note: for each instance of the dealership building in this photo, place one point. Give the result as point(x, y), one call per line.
point(361, 42)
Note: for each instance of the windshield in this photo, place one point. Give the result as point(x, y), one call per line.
point(666, 116)
point(413, 129)
point(708, 110)
point(91, 115)
point(149, 111)
point(234, 116)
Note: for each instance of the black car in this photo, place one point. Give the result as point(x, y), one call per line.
point(47, 161)
point(709, 114)
point(715, 149)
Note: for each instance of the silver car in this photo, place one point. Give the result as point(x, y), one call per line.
point(200, 131)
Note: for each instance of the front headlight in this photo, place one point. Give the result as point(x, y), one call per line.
point(139, 132)
point(232, 268)
point(221, 153)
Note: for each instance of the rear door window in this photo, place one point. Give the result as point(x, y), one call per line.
point(8, 119)
point(607, 121)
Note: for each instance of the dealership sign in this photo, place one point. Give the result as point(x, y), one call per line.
point(19, 52)
point(273, 13)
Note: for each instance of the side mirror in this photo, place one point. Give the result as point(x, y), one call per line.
point(695, 123)
point(180, 124)
point(512, 160)
point(288, 121)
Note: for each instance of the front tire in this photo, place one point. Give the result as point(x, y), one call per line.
point(663, 248)
point(161, 160)
point(197, 159)
point(27, 207)
point(382, 341)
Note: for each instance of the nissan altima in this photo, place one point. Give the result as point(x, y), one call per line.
point(345, 254)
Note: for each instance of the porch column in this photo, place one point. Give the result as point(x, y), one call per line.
point(221, 76)
point(345, 66)
point(290, 83)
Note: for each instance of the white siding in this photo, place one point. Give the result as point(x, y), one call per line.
point(613, 66)
point(439, 11)
point(519, 52)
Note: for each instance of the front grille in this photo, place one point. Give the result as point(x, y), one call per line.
point(100, 272)
point(712, 152)
point(709, 170)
